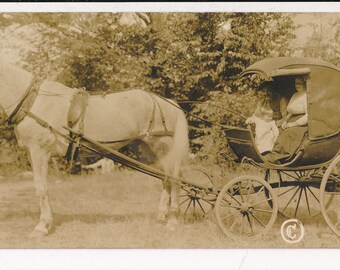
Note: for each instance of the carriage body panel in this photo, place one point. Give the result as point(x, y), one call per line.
point(311, 153)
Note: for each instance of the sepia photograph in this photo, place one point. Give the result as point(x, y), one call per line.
point(169, 130)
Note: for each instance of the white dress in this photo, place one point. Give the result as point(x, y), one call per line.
point(298, 105)
point(266, 133)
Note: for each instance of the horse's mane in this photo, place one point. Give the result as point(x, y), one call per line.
point(14, 79)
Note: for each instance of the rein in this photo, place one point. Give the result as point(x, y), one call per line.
point(195, 116)
point(213, 105)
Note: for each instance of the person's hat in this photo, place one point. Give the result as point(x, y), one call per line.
point(301, 79)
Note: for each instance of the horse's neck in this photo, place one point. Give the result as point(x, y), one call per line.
point(14, 84)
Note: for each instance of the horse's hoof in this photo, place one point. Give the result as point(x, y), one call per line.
point(161, 218)
point(38, 234)
point(42, 229)
point(172, 224)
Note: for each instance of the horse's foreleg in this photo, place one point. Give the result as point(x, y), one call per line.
point(163, 207)
point(39, 160)
point(174, 206)
point(174, 201)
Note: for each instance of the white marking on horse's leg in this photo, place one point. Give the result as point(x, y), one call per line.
point(163, 207)
point(39, 159)
point(174, 202)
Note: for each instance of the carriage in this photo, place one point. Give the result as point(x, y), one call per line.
point(248, 205)
point(301, 185)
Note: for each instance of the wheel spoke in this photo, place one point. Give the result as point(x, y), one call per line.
point(249, 189)
point(298, 202)
point(316, 198)
point(334, 177)
point(257, 220)
point(257, 193)
point(186, 210)
point(232, 196)
point(184, 201)
point(307, 202)
point(290, 200)
point(283, 193)
point(211, 203)
point(232, 225)
point(231, 206)
point(239, 189)
point(263, 210)
point(292, 176)
point(198, 202)
point(251, 225)
point(333, 208)
point(236, 212)
point(242, 224)
point(266, 200)
point(298, 175)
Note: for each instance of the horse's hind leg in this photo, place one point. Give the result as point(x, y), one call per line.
point(39, 161)
point(169, 202)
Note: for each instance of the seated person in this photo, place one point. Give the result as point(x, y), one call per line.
point(266, 131)
point(277, 102)
point(297, 107)
point(294, 125)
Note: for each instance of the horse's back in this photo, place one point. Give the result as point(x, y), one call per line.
point(129, 112)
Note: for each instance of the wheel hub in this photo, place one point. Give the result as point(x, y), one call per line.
point(246, 208)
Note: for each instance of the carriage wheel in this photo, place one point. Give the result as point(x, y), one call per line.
point(242, 207)
point(194, 202)
point(298, 195)
point(330, 196)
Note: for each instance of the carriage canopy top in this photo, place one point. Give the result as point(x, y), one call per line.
point(323, 89)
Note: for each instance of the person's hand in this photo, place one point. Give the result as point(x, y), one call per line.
point(248, 121)
point(288, 125)
point(279, 122)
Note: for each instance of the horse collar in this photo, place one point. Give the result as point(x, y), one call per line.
point(24, 105)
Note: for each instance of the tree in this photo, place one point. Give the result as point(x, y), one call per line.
point(185, 56)
point(324, 39)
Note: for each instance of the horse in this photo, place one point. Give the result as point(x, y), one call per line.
point(40, 110)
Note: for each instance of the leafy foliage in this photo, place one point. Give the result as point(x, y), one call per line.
point(184, 56)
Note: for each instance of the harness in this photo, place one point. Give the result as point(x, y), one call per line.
point(76, 116)
point(24, 105)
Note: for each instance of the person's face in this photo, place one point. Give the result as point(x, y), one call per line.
point(267, 118)
point(300, 85)
point(267, 91)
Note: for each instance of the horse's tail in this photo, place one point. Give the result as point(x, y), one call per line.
point(179, 152)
